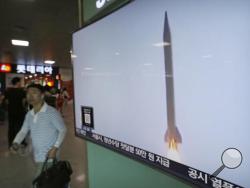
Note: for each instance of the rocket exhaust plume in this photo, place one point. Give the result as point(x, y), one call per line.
point(173, 152)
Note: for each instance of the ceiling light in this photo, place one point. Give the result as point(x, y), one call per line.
point(19, 42)
point(49, 62)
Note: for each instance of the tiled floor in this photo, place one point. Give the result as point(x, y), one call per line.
point(17, 171)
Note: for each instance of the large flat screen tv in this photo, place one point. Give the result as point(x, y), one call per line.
point(167, 83)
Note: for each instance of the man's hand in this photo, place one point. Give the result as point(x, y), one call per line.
point(52, 152)
point(14, 148)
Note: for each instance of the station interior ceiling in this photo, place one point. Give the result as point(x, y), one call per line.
point(48, 25)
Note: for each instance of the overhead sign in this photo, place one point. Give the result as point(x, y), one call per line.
point(93, 9)
point(5, 68)
point(102, 3)
point(32, 69)
point(29, 69)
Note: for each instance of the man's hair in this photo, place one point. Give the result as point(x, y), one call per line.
point(38, 86)
point(15, 80)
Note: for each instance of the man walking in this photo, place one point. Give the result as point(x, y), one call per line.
point(46, 127)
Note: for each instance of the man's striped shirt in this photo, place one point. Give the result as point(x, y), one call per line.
point(46, 128)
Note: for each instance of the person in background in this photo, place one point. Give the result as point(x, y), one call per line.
point(45, 125)
point(65, 95)
point(59, 102)
point(2, 111)
point(15, 99)
point(49, 98)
